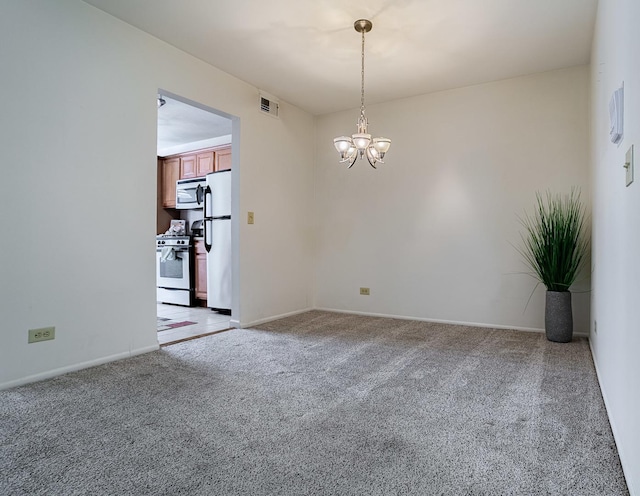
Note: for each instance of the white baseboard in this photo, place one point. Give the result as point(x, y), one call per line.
point(614, 429)
point(438, 321)
point(245, 325)
point(77, 366)
point(238, 324)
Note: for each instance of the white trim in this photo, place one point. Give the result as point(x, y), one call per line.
point(614, 429)
point(245, 325)
point(439, 321)
point(77, 366)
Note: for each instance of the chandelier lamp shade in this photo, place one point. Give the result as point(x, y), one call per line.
point(361, 144)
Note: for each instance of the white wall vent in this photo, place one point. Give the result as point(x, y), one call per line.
point(269, 104)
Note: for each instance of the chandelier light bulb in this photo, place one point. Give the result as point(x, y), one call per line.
point(342, 144)
point(381, 145)
point(362, 141)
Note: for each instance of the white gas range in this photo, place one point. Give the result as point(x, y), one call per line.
point(174, 269)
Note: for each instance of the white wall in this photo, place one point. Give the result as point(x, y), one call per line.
point(616, 228)
point(430, 231)
point(78, 84)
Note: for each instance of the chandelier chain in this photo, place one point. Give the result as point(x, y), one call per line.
point(362, 77)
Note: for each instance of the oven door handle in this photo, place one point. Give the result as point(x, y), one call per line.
point(180, 249)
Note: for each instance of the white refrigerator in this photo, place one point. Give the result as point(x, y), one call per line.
point(217, 239)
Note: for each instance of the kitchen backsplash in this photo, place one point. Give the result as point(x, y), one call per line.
point(190, 216)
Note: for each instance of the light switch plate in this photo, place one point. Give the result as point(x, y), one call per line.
point(628, 165)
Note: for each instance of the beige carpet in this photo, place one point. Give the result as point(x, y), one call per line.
point(320, 403)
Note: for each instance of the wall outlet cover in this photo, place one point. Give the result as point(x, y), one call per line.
point(41, 334)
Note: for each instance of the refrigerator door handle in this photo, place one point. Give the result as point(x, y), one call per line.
point(207, 233)
point(207, 194)
point(207, 219)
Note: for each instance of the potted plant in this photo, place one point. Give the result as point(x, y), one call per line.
point(555, 247)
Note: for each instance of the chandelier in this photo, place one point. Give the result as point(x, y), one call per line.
point(360, 144)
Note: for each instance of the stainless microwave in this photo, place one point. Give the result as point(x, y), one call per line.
point(190, 193)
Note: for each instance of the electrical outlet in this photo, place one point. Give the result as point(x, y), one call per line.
point(595, 326)
point(249, 217)
point(42, 334)
point(365, 291)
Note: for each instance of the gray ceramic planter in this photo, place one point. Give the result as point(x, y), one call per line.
point(558, 318)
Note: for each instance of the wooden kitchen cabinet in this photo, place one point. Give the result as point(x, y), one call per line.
point(170, 174)
point(201, 270)
point(223, 159)
point(188, 167)
point(204, 163)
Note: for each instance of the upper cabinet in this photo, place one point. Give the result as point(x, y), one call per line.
point(170, 174)
point(223, 158)
point(189, 165)
point(204, 163)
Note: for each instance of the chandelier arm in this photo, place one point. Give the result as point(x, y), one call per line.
point(355, 157)
point(369, 159)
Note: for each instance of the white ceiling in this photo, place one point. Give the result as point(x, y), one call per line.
point(181, 124)
point(307, 53)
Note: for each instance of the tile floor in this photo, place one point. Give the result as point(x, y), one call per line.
point(206, 321)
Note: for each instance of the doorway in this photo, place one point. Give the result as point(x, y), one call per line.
point(193, 140)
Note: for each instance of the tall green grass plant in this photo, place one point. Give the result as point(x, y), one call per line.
point(555, 243)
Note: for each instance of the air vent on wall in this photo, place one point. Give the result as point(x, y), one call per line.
point(268, 104)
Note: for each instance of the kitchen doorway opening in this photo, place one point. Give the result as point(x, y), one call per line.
point(196, 232)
